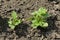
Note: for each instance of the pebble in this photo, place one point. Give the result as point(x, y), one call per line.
point(58, 17)
point(57, 23)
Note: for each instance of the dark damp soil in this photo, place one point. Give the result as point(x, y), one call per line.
point(24, 31)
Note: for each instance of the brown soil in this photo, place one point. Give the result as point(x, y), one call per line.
point(24, 31)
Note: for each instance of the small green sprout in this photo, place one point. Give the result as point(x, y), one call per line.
point(13, 21)
point(39, 18)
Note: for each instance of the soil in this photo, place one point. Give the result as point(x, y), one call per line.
point(24, 31)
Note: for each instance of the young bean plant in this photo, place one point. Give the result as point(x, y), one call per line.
point(13, 21)
point(39, 18)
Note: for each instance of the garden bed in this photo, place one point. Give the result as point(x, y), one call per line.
point(24, 31)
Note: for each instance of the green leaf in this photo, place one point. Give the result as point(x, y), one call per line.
point(10, 22)
point(42, 10)
point(12, 26)
point(45, 25)
point(14, 15)
point(18, 21)
point(35, 23)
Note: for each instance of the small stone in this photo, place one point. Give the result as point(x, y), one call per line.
point(23, 19)
point(36, 34)
point(28, 36)
point(57, 35)
point(56, 7)
point(57, 23)
point(23, 38)
point(45, 39)
point(58, 17)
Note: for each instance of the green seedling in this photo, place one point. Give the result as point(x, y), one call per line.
point(14, 21)
point(39, 18)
